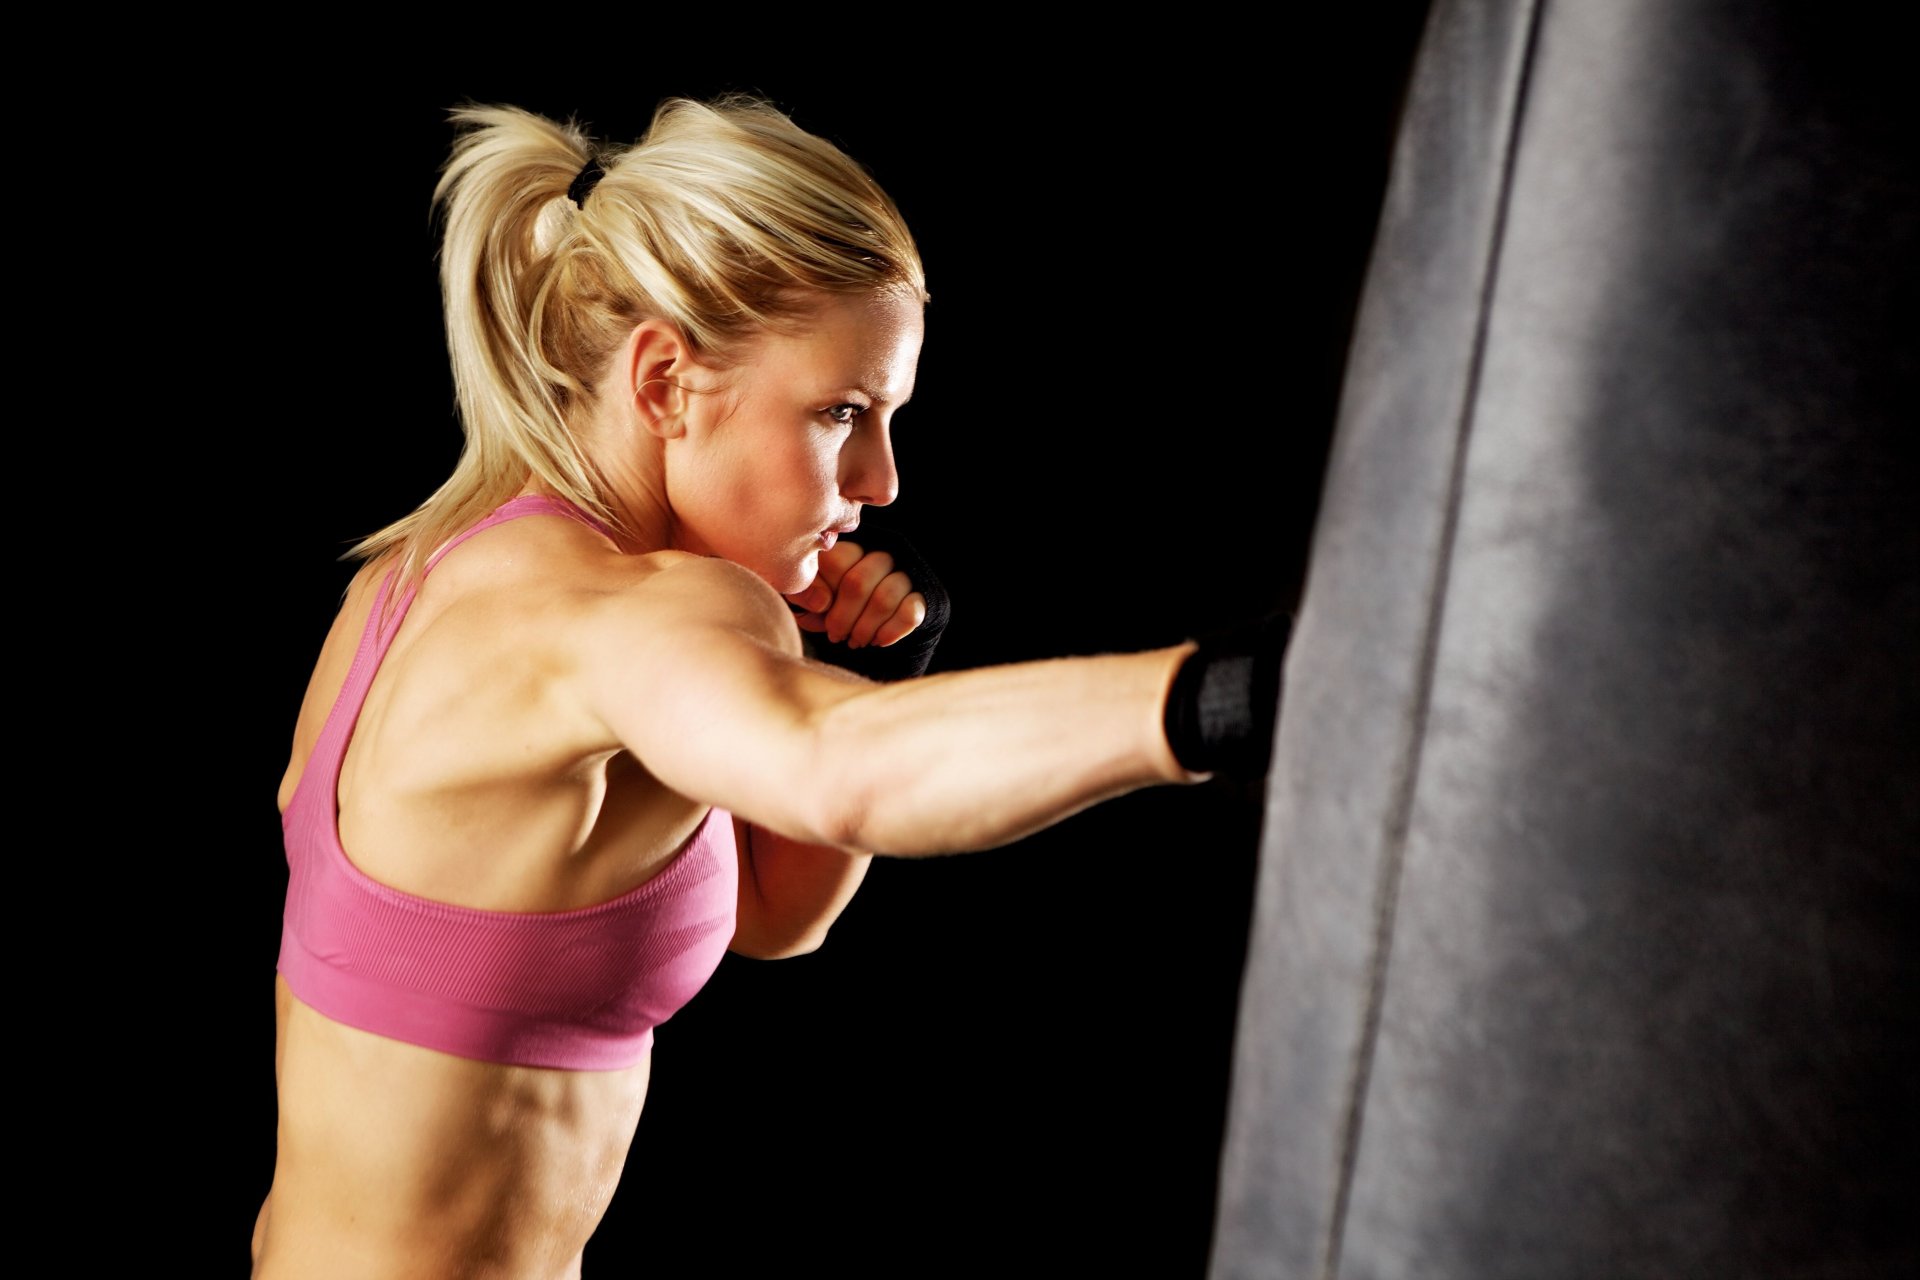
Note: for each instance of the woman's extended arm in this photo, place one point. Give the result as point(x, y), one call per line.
point(699, 674)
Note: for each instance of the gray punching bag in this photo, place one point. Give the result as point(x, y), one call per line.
point(1585, 936)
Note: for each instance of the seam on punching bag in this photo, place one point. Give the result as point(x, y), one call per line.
point(1406, 772)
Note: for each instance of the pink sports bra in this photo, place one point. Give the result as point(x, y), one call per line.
point(580, 989)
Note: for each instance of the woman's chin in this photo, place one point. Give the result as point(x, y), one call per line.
point(787, 577)
point(785, 574)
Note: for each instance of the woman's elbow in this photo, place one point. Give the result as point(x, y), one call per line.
point(778, 944)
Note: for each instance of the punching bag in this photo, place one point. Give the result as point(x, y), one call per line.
point(1585, 935)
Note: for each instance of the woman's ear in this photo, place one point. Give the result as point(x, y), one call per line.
point(657, 363)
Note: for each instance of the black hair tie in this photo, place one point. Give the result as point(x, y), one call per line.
point(584, 182)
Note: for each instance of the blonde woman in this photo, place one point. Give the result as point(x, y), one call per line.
point(595, 712)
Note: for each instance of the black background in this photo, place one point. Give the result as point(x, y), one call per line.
point(1143, 269)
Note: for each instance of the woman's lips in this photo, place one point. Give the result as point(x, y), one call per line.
point(830, 536)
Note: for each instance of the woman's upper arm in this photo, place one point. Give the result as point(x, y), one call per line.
point(698, 672)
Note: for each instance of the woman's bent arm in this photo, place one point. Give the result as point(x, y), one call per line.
point(790, 892)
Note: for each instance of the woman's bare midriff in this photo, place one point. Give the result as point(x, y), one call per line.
point(398, 1161)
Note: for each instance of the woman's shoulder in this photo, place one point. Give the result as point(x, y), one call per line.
point(670, 594)
point(568, 583)
point(365, 584)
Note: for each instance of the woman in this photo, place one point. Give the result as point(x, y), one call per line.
point(564, 722)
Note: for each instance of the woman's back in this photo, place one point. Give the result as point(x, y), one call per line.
point(462, 780)
point(462, 783)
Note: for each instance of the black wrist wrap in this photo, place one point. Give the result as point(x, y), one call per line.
point(910, 655)
point(1221, 708)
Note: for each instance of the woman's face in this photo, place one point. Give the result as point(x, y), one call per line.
point(777, 461)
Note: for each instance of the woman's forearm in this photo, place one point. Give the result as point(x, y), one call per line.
point(974, 759)
point(790, 892)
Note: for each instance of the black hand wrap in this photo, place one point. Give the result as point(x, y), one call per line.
point(1221, 708)
point(908, 656)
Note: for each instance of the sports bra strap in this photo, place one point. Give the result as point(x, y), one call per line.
point(525, 504)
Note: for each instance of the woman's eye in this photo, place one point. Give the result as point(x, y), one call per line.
point(844, 414)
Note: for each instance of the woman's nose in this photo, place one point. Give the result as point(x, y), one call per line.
point(867, 473)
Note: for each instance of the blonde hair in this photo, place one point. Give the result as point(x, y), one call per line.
point(726, 219)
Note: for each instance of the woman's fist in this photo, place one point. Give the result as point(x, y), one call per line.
point(875, 607)
point(859, 598)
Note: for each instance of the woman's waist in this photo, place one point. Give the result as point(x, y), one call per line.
point(397, 1144)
